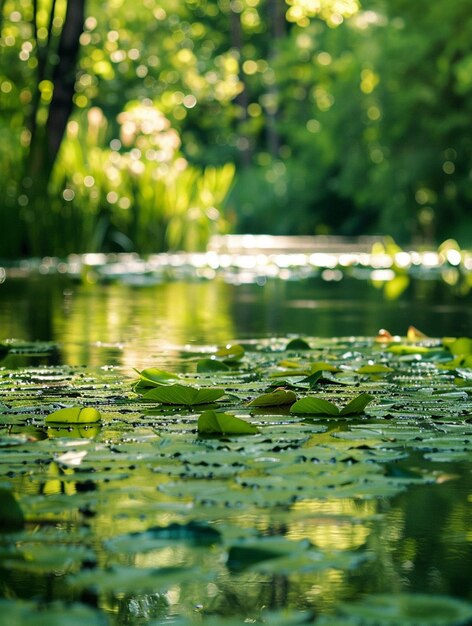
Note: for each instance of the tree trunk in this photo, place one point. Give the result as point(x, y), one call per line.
point(64, 77)
point(45, 139)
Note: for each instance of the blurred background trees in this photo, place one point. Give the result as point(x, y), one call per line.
point(153, 125)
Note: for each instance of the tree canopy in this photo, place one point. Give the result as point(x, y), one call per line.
point(356, 117)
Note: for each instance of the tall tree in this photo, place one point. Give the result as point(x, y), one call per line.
point(57, 62)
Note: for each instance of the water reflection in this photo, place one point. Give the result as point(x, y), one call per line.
point(117, 324)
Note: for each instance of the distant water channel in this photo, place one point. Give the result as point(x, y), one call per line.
point(118, 323)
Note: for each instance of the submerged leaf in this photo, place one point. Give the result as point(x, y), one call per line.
point(213, 423)
point(194, 533)
point(74, 415)
point(183, 395)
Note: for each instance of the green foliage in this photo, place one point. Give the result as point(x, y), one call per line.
point(322, 107)
point(279, 397)
point(74, 415)
point(312, 405)
point(213, 423)
point(220, 504)
point(183, 395)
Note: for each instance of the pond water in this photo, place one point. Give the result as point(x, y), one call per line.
point(357, 520)
point(134, 326)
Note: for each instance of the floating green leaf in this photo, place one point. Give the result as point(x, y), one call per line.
point(460, 347)
point(314, 406)
point(214, 423)
point(278, 397)
point(212, 365)
point(183, 395)
point(297, 344)
point(313, 379)
point(402, 348)
point(230, 353)
point(74, 415)
point(74, 431)
point(323, 366)
point(375, 369)
point(153, 377)
point(357, 405)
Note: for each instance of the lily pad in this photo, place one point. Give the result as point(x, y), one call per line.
point(184, 395)
point(279, 397)
point(74, 415)
point(230, 353)
point(312, 405)
point(214, 423)
point(212, 365)
point(408, 610)
point(19, 612)
point(357, 405)
point(153, 377)
point(297, 344)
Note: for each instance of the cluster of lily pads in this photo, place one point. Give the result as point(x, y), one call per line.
point(295, 376)
point(214, 477)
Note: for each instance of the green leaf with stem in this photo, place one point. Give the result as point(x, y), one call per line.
point(214, 423)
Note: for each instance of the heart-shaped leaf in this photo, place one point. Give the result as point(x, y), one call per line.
point(213, 423)
point(183, 394)
point(278, 397)
point(74, 415)
point(314, 406)
point(357, 405)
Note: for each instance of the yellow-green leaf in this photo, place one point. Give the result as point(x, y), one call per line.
point(314, 406)
point(214, 423)
point(278, 397)
point(74, 415)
